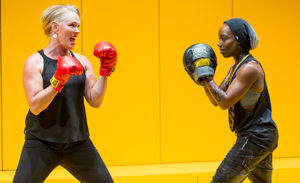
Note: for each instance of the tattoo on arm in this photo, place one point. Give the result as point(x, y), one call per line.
point(216, 92)
point(222, 85)
point(210, 97)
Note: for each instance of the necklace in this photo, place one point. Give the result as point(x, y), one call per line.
point(233, 71)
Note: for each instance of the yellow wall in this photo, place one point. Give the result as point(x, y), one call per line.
point(126, 127)
point(192, 128)
point(1, 167)
point(153, 112)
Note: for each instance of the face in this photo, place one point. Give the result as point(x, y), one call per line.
point(67, 30)
point(228, 45)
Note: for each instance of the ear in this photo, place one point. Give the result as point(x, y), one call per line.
point(54, 27)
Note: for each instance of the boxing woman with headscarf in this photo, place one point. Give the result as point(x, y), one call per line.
point(244, 93)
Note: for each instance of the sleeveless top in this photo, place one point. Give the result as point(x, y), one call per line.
point(64, 120)
point(258, 125)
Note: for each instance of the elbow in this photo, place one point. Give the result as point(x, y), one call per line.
point(223, 106)
point(35, 109)
point(215, 104)
point(94, 100)
point(224, 103)
point(95, 104)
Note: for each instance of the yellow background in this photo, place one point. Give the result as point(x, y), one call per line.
point(152, 112)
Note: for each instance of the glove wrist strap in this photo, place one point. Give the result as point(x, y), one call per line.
point(57, 84)
point(106, 71)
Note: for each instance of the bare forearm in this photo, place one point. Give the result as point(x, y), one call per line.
point(209, 95)
point(96, 93)
point(217, 93)
point(42, 100)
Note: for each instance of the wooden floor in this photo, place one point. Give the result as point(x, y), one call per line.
point(286, 170)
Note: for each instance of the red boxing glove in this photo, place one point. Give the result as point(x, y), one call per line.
point(66, 67)
point(108, 57)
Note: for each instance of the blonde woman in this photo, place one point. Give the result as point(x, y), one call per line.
point(56, 81)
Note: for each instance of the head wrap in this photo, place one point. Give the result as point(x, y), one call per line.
point(243, 33)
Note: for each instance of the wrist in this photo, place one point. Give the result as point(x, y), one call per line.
point(208, 78)
point(56, 84)
point(104, 71)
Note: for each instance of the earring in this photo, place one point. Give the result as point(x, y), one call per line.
point(54, 36)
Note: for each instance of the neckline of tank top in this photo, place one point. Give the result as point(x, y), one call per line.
point(72, 54)
point(232, 71)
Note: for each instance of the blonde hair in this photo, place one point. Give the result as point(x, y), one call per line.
point(54, 13)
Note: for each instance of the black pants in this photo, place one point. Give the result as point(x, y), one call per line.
point(81, 159)
point(245, 159)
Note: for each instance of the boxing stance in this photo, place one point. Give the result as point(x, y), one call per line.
point(56, 81)
point(244, 93)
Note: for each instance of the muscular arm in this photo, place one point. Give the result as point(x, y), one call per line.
point(215, 92)
point(37, 97)
point(210, 96)
point(246, 76)
point(221, 86)
point(94, 88)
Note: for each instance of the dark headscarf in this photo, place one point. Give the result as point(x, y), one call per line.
point(243, 33)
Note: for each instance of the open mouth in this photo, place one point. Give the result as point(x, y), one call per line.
point(72, 40)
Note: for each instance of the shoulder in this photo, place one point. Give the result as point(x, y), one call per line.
point(252, 65)
point(82, 59)
point(34, 61)
point(79, 56)
point(252, 69)
point(34, 58)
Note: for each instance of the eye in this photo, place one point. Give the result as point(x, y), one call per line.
point(74, 25)
point(223, 38)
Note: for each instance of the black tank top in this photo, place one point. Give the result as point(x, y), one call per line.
point(64, 120)
point(258, 125)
